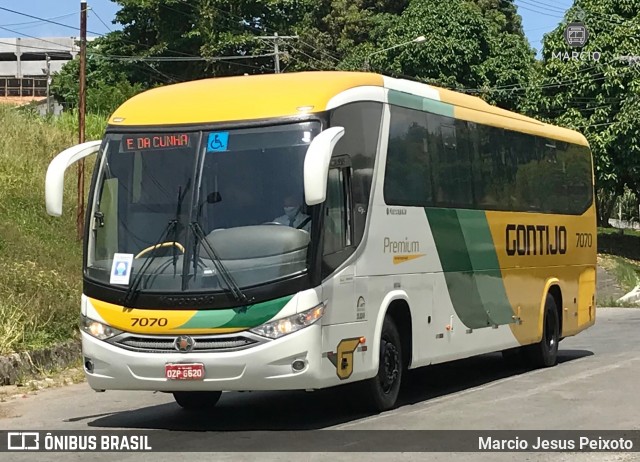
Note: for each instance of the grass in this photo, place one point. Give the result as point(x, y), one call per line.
point(40, 257)
point(619, 231)
point(624, 270)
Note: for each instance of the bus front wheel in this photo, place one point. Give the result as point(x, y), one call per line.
point(545, 352)
point(197, 400)
point(382, 390)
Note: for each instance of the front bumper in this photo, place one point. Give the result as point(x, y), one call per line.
point(267, 366)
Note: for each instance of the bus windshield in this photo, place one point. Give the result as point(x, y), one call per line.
point(183, 211)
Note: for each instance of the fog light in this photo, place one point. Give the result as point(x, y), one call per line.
point(298, 365)
point(88, 365)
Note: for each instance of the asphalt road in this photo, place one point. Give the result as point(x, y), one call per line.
point(594, 387)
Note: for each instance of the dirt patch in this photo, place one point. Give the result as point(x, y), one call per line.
point(607, 286)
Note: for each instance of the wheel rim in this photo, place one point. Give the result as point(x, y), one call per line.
point(390, 367)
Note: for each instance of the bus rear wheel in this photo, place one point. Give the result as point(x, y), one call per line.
point(197, 400)
point(381, 391)
point(545, 352)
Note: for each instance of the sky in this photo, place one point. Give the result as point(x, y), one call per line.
point(538, 17)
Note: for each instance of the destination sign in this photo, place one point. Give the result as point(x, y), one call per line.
point(155, 142)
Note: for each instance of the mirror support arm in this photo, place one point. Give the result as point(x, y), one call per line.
point(316, 164)
point(54, 183)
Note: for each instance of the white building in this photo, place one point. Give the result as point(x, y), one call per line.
point(23, 64)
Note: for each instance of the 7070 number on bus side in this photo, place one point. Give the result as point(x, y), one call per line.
point(584, 240)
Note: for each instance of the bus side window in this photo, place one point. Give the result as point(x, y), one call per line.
point(337, 219)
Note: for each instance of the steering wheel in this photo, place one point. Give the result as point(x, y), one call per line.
point(164, 244)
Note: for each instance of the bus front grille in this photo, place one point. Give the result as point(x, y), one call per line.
point(201, 343)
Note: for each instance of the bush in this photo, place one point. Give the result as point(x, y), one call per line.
point(40, 256)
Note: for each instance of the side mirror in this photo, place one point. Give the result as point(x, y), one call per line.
point(316, 164)
point(54, 183)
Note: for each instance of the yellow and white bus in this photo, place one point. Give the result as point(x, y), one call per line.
point(306, 230)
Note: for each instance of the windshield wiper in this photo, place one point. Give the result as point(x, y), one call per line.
point(133, 291)
point(181, 197)
point(217, 262)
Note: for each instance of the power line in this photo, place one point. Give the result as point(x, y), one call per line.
point(242, 21)
point(76, 28)
point(38, 21)
point(46, 20)
point(540, 12)
point(276, 43)
point(543, 7)
point(100, 19)
point(134, 58)
point(28, 36)
point(507, 87)
point(65, 52)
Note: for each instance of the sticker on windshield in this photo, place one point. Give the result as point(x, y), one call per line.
point(218, 141)
point(121, 268)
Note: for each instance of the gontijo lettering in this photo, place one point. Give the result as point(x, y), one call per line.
point(536, 240)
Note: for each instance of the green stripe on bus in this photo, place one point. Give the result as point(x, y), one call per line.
point(420, 103)
point(242, 317)
point(486, 267)
point(470, 264)
point(405, 100)
point(457, 267)
point(437, 107)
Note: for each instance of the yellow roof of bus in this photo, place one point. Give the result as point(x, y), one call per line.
point(239, 98)
point(265, 96)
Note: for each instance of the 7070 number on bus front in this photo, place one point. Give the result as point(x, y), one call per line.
point(149, 322)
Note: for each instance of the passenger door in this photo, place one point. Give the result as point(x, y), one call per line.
point(338, 245)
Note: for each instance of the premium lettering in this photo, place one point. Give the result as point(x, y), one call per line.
point(405, 246)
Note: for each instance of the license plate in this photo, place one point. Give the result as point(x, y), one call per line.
point(184, 371)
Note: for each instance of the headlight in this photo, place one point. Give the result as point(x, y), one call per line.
point(97, 329)
point(288, 325)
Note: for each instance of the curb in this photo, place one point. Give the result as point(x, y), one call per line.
point(631, 297)
point(17, 366)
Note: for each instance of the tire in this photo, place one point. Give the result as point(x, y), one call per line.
point(545, 352)
point(381, 391)
point(197, 400)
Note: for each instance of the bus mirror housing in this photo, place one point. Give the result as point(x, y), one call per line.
point(316, 164)
point(54, 183)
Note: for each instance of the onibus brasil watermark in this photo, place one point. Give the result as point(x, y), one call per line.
point(48, 441)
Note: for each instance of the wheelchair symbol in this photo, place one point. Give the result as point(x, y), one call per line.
point(217, 141)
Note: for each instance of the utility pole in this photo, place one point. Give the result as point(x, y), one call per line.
point(81, 115)
point(48, 71)
point(276, 50)
point(276, 54)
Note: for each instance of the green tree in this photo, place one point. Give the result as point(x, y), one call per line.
point(106, 88)
point(473, 45)
point(597, 92)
